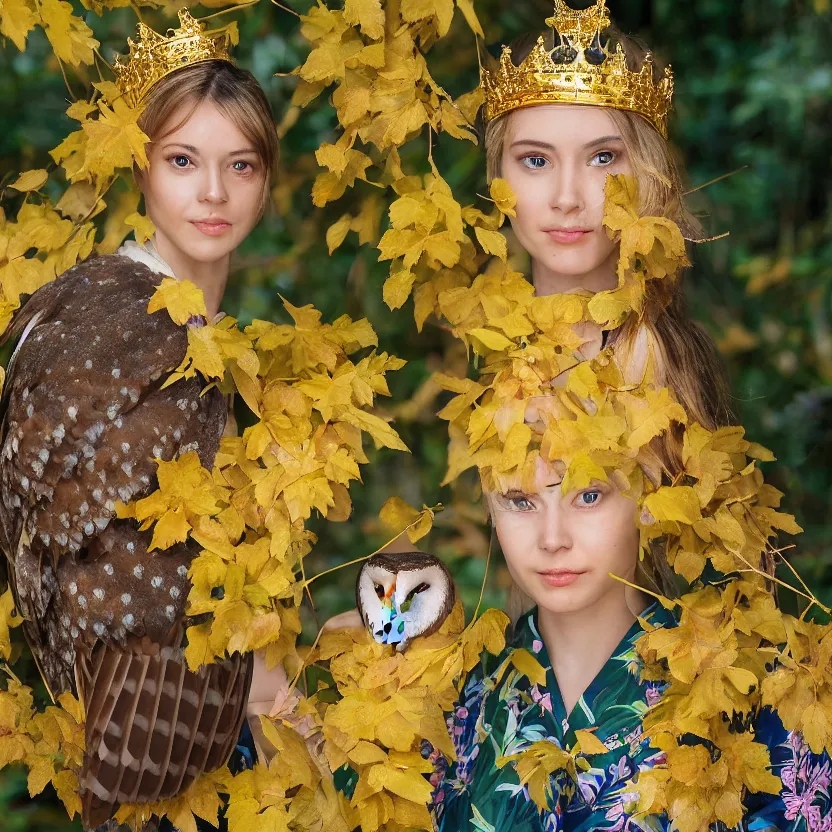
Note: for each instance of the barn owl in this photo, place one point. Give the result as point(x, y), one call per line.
point(402, 596)
point(83, 417)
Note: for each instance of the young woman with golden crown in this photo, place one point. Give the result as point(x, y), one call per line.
point(609, 725)
point(558, 123)
point(88, 417)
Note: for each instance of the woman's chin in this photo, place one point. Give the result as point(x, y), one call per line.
point(559, 600)
point(209, 249)
point(572, 264)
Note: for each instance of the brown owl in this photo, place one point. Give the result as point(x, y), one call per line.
point(83, 417)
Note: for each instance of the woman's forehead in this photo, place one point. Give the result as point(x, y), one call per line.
point(205, 126)
point(559, 123)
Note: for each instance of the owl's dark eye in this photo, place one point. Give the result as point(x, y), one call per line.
point(412, 595)
point(379, 590)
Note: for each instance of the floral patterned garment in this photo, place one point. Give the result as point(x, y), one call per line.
point(501, 713)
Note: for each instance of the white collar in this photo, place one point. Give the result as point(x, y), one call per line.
point(146, 254)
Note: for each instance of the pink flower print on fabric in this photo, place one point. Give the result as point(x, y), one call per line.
point(544, 700)
point(803, 783)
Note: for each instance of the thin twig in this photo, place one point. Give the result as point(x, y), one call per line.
point(302, 667)
point(286, 8)
point(485, 576)
point(714, 181)
point(229, 9)
point(365, 557)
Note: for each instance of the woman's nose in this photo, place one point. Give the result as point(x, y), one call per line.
point(566, 191)
point(213, 187)
point(553, 534)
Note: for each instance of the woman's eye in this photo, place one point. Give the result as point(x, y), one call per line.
point(241, 167)
point(520, 503)
point(180, 161)
point(603, 158)
point(588, 498)
point(534, 162)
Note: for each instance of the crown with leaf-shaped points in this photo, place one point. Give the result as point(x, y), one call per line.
point(579, 69)
point(155, 55)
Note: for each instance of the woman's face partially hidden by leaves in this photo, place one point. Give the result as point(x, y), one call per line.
point(557, 158)
point(203, 189)
point(561, 548)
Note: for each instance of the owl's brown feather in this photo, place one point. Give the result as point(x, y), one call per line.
point(84, 416)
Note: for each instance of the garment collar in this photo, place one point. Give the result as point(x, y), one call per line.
point(147, 254)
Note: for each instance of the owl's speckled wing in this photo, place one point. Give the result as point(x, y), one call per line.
point(84, 417)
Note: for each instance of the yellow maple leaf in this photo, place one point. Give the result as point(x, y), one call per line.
point(186, 492)
point(674, 503)
point(9, 619)
point(492, 242)
point(69, 35)
point(397, 288)
point(367, 14)
point(182, 299)
point(143, 229)
point(529, 666)
point(114, 140)
point(204, 355)
point(399, 517)
point(535, 767)
point(17, 19)
point(31, 180)
point(503, 195)
point(651, 415)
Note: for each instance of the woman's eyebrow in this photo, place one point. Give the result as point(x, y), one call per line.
point(602, 140)
point(248, 151)
point(533, 143)
point(189, 147)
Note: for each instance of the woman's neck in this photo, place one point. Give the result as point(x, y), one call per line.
point(547, 281)
point(580, 643)
point(210, 277)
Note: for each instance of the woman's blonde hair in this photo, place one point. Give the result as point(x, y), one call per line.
point(235, 92)
point(687, 359)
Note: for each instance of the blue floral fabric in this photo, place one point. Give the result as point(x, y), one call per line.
point(501, 712)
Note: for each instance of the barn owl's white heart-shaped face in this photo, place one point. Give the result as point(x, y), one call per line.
point(403, 596)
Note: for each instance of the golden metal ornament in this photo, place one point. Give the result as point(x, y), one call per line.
point(155, 55)
point(579, 69)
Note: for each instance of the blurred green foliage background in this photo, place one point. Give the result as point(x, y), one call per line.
point(754, 87)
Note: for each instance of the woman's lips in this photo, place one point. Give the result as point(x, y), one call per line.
point(211, 228)
point(560, 578)
point(567, 235)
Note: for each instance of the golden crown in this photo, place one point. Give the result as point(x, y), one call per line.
point(579, 69)
point(156, 56)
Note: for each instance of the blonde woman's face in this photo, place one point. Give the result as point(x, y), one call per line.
point(204, 187)
point(557, 158)
point(561, 548)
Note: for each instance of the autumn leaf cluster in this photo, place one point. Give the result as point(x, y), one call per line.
point(538, 392)
point(390, 703)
